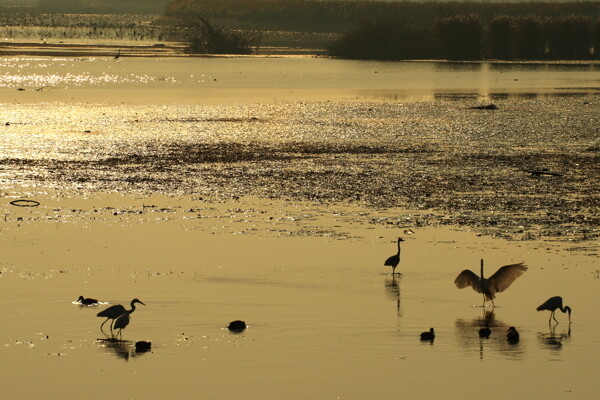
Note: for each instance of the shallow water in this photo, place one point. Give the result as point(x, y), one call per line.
point(279, 213)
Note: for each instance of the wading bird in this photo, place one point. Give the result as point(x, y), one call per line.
point(428, 335)
point(512, 335)
point(485, 332)
point(394, 260)
point(114, 312)
point(496, 283)
point(87, 301)
point(552, 304)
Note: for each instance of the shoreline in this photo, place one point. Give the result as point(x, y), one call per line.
point(76, 48)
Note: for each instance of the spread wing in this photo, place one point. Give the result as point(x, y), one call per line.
point(505, 276)
point(468, 278)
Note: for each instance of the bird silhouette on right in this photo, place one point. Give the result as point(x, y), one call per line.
point(114, 312)
point(394, 260)
point(553, 304)
point(512, 335)
point(496, 283)
point(430, 335)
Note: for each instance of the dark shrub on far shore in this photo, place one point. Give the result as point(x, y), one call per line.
point(389, 38)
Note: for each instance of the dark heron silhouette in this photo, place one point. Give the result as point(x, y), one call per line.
point(496, 283)
point(114, 312)
point(122, 322)
point(394, 260)
point(485, 332)
point(430, 335)
point(87, 301)
point(512, 335)
point(552, 304)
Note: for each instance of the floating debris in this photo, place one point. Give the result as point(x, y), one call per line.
point(25, 203)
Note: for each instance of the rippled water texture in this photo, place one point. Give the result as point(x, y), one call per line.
point(272, 190)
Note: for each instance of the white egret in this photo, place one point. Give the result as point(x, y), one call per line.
point(496, 283)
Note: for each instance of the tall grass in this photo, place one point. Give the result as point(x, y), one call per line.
point(464, 37)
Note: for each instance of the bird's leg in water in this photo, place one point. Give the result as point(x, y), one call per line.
point(493, 305)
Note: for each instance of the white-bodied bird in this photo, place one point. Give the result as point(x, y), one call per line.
point(496, 283)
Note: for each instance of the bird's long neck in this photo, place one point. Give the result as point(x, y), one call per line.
point(132, 308)
point(481, 269)
point(398, 247)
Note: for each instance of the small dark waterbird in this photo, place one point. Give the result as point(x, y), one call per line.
point(553, 304)
point(87, 301)
point(114, 312)
point(394, 260)
point(237, 326)
point(429, 335)
point(512, 335)
point(485, 332)
point(496, 283)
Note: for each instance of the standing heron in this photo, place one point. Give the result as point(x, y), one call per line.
point(122, 322)
point(552, 304)
point(114, 312)
point(86, 301)
point(496, 283)
point(512, 335)
point(394, 260)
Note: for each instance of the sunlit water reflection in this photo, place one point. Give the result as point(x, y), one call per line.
point(281, 212)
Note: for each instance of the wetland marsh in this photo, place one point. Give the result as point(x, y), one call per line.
point(271, 190)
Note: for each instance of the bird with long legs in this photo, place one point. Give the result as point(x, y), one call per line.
point(114, 312)
point(553, 304)
point(122, 322)
point(496, 283)
point(394, 260)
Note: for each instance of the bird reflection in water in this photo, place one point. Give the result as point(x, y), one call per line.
point(467, 332)
point(123, 349)
point(553, 340)
point(393, 291)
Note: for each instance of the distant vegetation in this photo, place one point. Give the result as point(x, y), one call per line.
point(136, 27)
point(465, 37)
point(354, 29)
point(204, 38)
point(103, 6)
point(342, 15)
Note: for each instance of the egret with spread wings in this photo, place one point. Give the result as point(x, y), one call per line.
point(496, 283)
